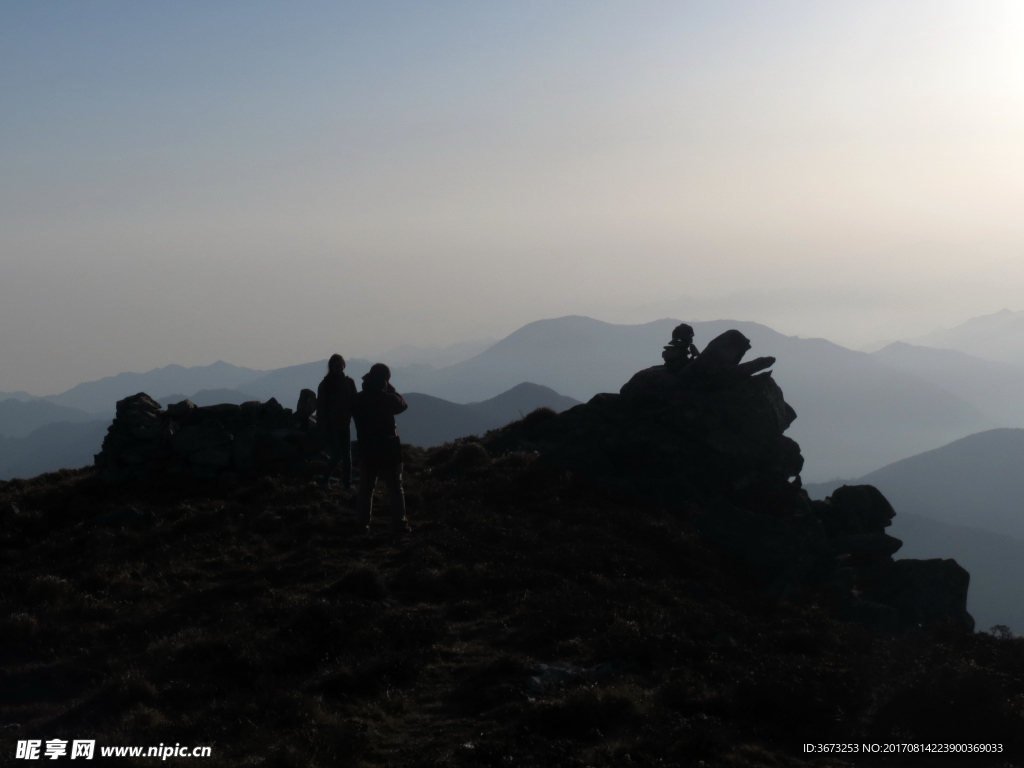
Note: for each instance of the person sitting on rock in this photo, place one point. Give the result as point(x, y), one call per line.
point(380, 449)
point(334, 399)
point(680, 351)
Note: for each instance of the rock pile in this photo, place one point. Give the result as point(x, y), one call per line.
point(705, 433)
point(145, 441)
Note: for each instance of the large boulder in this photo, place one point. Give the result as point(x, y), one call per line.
point(922, 592)
point(706, 434)
point(192, 439)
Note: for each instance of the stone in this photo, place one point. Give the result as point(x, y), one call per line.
point(250, 409)
point(856, 509)
point(923, 592)
point(866, 545)
point(137, 403)
point(710, 437)
point(273, 448)
point(182, 410)
point(214, 456)
point(194, 438)
point(242, 449)
point(221, 411)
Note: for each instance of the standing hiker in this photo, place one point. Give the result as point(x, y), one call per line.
point(334, 399)
point(380, 449)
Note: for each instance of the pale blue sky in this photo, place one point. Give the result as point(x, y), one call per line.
point(267, 182)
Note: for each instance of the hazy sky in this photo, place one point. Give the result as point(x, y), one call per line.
point(266, 183)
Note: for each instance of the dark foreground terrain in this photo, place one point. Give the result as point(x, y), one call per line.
point(247, 615)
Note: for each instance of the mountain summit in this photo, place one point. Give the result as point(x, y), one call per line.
point(636, 581)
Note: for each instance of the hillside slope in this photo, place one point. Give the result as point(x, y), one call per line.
point(530, 620)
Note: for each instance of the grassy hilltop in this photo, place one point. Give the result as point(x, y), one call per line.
point(249, 616)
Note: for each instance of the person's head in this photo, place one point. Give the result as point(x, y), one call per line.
point(307, 403)
point(336, 364)
point(378, 375)
point(682, 334)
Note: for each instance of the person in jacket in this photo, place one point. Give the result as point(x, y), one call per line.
point(380, 449)
point(334, 398)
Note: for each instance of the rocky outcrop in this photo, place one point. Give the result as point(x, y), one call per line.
point(145, 441)
point(705, 434)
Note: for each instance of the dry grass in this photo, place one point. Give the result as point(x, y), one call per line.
point(251, 617)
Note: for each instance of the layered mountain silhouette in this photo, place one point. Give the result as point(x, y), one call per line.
point(431, 421)
point(17, 395)
point(976, 481)
point(999, 336)
point(51, 447)
point(856, 411)
point(436, 356)
point(994, 388)
point(101, 395)
point(19, 418)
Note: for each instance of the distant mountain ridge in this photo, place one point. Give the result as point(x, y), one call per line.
point(19, 418)
point(977, 481)
point(64, 445)
point(101, 396)
point(995, 388)
point(432, 421)
point(999, 336)
point(18, 395)
point(855, 411)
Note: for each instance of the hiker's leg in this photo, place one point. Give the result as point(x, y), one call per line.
point(367, 483)
point(345, 445)
point(396, 494)
point(334, 454)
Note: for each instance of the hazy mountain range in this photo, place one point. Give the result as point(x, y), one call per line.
point(999, 336)
point(856, 411)
point(51, 447)
point(976, 481)
point(432, 421)
point(19, 418)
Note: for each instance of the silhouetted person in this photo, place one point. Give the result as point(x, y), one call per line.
point(380, 449)
point(679, 352)
point(334, 399)
point(304, 418)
